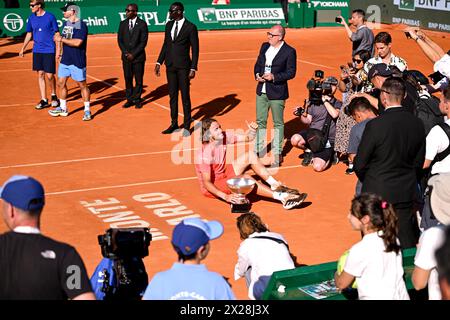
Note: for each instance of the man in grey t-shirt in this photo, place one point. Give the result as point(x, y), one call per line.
point(363, 37)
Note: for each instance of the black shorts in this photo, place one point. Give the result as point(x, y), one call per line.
point(326, 154)
point(44, 62)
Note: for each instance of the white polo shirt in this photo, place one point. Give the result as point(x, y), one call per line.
point(437, 141)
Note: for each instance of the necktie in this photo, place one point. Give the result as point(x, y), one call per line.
point(131, 25)
point(176, 31)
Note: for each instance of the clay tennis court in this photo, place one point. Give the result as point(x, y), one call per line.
point(120, 163)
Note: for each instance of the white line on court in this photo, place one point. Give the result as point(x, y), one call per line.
point(140, 183)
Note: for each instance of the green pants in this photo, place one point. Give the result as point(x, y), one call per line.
point(263, 104)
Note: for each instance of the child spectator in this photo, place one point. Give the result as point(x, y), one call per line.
point(425, 262)
point(188, 279)
point(260, 254)
point(375, 261)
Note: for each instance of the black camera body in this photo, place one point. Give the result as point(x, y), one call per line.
point(125, 243)
point(317, 88)
point(436, 77)
point(126, 247)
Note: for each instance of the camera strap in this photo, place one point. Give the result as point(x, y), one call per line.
point(327, 125)
point(270, 238)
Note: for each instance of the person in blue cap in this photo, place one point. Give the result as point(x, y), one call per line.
point(188, 279)
point(33, 266)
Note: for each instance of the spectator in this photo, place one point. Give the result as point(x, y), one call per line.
point(322, 117)
point(425, 261)
point(260, 254)
point(33, 266)
point(73, 60)
point(188, 279)
point(362, 38)
point(383, 46)
point(437, 155)
point(353, 80)
point(362, 112)
point(42, 26)
point(390, 158)
point(275, 65)
point(213, 171)
point(376, 261)
point(443, 266)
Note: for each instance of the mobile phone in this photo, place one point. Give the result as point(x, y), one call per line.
point(338, 20)
point(408, 35)
point(350, 64)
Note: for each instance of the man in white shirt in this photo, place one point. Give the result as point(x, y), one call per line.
point(276, 64)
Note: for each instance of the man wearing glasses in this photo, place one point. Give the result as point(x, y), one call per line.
point(132, 38)
point(276, 64)
point(391, 155)
point(42, 26)
point(181, 36)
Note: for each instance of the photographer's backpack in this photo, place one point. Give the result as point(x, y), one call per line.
point(103, 280)
point(427, 110)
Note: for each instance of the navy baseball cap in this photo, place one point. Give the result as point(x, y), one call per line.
point(192, 233)
point(23, 192)
point(380, 69)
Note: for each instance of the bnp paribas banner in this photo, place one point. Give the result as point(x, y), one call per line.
point(107, 19)
point(430, 14)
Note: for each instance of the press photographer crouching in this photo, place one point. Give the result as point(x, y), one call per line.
point(320, 113)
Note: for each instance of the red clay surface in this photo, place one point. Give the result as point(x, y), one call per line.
point(121, 153)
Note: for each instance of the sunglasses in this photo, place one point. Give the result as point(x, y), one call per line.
point(357, 60)
point(32, 5)
point(273, 35)
point(174, 10)
point(128, 10)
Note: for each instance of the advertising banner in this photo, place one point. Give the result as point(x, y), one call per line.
point(429, 14)
point(107, 19)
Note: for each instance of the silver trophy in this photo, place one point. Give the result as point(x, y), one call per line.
point(241, 187)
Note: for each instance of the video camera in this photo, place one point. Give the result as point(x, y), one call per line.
point(126, 248)
point(317, 87)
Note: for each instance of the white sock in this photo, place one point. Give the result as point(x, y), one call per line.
point(270, 180)
point(87, 106)
point(307, 150)
point(350, 165)
point(63, 104)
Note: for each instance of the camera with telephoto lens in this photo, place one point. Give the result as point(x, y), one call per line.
point(126, 248)
point(317, 88)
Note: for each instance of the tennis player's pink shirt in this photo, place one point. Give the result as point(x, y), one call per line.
point(211, 158)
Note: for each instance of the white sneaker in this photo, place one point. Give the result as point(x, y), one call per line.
point(290, 201)
point(58, 112)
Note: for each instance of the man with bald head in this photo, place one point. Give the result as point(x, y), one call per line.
point(276, 64)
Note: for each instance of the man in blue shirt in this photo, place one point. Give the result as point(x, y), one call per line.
point(42, 26)
point(188, 279)
point(73, 59)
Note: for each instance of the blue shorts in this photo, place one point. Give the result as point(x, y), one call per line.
point(44, 62)
point(72, 71)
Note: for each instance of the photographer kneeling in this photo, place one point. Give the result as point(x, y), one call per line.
point(320, 114)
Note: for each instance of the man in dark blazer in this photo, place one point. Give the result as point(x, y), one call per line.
point(132, 38)
point(180, 36)
point(276, 64)
point(390, 157)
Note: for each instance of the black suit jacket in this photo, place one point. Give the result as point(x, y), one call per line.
point(134, 42)
point(284, 67)
point(391, 155)
point(177, 53)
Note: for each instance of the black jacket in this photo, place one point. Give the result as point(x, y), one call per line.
point(391, 155)
point(284, 67)
point(176, 53)
point(133, 42)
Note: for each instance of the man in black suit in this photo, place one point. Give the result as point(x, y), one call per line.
point(390, 157)
point(276, 64)
point(132, 38)
point(180, 36)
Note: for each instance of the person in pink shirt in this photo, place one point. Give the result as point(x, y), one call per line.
point(213, 171)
